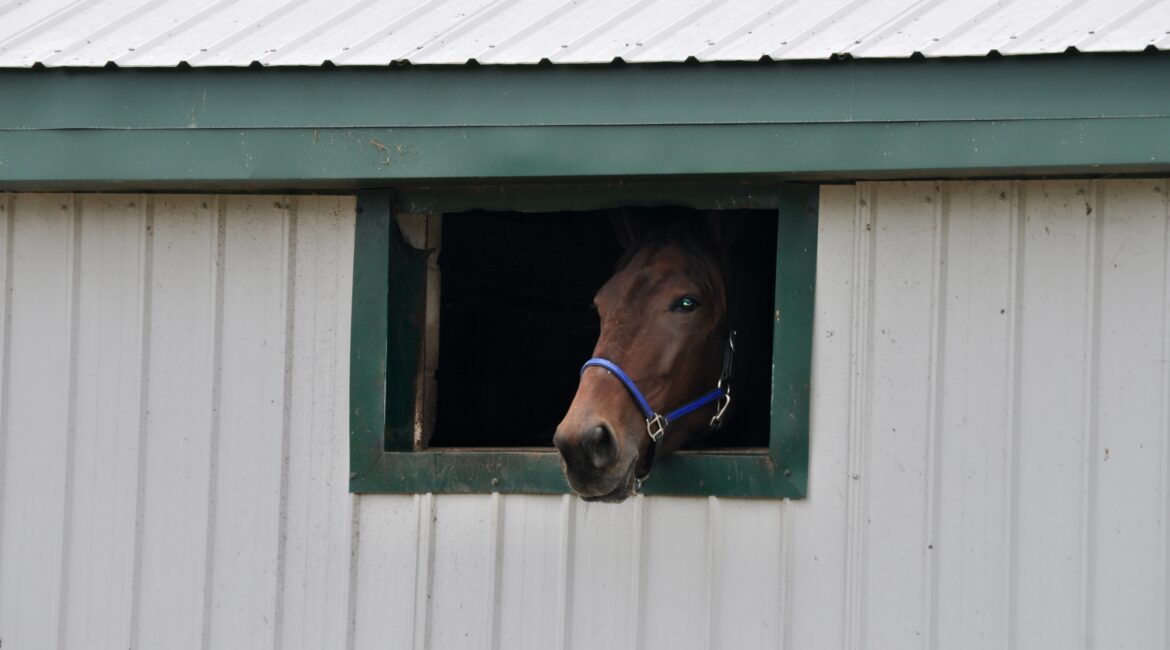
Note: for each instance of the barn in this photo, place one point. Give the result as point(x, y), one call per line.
point(250, 250)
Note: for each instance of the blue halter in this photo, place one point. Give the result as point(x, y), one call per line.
point(656, 423)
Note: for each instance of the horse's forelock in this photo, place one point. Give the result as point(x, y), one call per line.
point(708, 264)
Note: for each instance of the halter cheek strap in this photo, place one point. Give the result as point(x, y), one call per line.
point(656, 423)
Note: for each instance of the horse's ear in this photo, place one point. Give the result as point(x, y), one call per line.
point(628, 227)
point(724, 228)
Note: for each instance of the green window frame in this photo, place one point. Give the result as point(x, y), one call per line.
point(385, 356)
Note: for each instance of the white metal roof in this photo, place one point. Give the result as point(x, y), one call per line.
point(146, 33)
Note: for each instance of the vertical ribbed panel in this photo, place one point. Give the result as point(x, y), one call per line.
point(674, 574)
point(827, 540)
point(243, 548)
point(1127, 500)
point(1055, 406)
point(531, 551)
point(974, 422)
point(990, 457)
point(904, 262)
point(312, 603)
point(166, 464)
point(180, 355)
point(40, 370)
point(389, 601)
point(99, 566)
point(607, 548)
point(746, 575)
point(183, 356)
point(7, 223)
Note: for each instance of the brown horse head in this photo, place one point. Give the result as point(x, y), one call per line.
point(663, 321)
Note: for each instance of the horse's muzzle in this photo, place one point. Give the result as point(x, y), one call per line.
point(590, 460)
point(624, 490)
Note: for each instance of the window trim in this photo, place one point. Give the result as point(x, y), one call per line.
point(385, 359)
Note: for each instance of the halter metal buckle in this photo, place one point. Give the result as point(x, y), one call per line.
point(656, 426)
point(724, 402)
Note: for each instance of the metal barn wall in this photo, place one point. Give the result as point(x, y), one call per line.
point(990, 446)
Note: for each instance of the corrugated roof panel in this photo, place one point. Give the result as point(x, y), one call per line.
point(635, 35)
point(698, 29)
point(1058, 31)
point(145, 35)
point(251, 34)
point(268, 34)
point(554, 26)
point(840, 31)
point(152, 37)
point(466, 36)
point(411, 34)
point(1148, 23)
point(1003, 23)
point(1027, 27)
point(917, 28)
point(377, 32)
point(704, 29)
point(767, 29)
point(32, 31)
point(340, 32)
point(743, 37)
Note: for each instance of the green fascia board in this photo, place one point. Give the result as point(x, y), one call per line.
point(349, 127)
point(824, 92)
point(288, 158)
point(385, 344)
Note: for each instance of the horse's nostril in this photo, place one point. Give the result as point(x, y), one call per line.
point(599, 445)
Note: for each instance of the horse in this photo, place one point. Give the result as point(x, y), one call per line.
point(661, 368)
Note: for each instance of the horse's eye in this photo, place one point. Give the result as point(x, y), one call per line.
point(685, 304)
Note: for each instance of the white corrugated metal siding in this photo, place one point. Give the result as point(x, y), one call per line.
point(366, 32)
point(990, 445)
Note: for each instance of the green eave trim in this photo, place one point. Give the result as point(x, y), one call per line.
point(349, 127)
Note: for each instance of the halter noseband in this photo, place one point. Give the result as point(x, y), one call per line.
point(656, 423)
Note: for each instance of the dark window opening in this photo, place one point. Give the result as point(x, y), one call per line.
point(516, 323)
